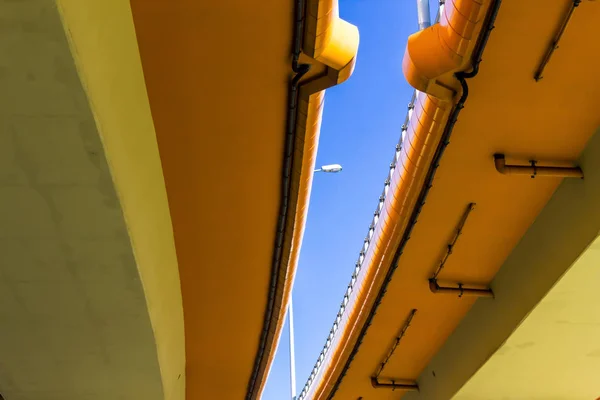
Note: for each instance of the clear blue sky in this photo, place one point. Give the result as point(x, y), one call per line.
point(361, 126)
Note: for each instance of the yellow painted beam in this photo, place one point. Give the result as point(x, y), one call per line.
point(104, 45)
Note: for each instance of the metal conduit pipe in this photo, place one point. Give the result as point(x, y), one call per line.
point(423, 14)
point(554, 45)
point(286, 177)
point(461, 291)
point(534, 170)
point(394, 385)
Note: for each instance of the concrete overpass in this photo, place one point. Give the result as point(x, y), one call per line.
point(155, 171)
point(455, 281)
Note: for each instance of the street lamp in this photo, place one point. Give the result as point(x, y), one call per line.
point(331, 169)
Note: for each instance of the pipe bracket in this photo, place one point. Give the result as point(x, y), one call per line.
point(406, 385)
point(534, 166)
point(459, 290)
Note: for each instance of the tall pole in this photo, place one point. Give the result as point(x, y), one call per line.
point(292, 351)
point(333, 168)
point(423, 14)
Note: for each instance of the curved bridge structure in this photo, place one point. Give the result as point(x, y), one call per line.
point(475, 266)
point(156, 167)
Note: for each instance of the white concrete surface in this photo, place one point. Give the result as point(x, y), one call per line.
point(73, 318)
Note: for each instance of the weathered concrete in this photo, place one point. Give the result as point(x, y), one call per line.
point(74, 318)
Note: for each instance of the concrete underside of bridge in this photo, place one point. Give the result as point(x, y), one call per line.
point(199, 90)
point(555, 352)
point(73, 314)
point(538, 339)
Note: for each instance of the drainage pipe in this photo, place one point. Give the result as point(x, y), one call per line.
point(534, 170)
point(461, 291)
point(407, 386)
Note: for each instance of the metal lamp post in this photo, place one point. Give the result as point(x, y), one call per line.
point(331, 169)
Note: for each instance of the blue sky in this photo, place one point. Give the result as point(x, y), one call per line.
point(361, 126)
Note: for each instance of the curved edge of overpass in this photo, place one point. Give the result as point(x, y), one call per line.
point(331, 45)
point(103, 42)
point(431, 64)
point(521, 116)
point(112, 44)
